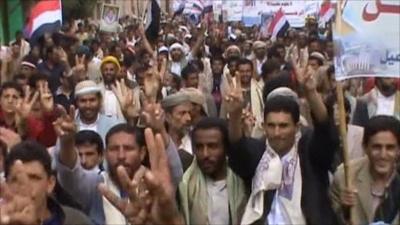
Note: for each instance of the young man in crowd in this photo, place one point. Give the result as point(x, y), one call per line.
point(371, 175)
point(210, 192)
point(26, 196)
point(90, 149)
point(287, 173)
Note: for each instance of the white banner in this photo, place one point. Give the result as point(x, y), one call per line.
point(367, 41)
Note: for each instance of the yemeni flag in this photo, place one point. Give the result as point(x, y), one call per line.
point(178, 8)
point(152, 20)
point(279, 25)
point(45, 16)
point(326, 12)
point(208, 11)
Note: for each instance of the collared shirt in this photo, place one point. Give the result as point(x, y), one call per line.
point(286, 206)
point(385, 105)
point(110, 104)
point(218, 202)
point(259, 65)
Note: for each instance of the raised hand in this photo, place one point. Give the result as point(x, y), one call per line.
point(153, 116)
point(152, 83)
point(248, 121)
point(46, 98)
point(305, 75)
point(17, 205)
point(65, 124)
point(125, 98)
point(148, 206)
point(24, 106)
point(9, 137)
point(80, 66)
point(234, 97)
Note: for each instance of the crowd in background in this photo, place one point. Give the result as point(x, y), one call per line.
point(208, 123)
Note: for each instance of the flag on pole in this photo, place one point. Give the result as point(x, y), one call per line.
point(326, 12)
point(152, 20)
point(279, 25)
point(45, 16)
point(178, 7)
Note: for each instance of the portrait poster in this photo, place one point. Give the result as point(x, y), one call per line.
point(109, 18)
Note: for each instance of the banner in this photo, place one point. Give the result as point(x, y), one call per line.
point(366, 39)
point(233, 10)
point(294, 10)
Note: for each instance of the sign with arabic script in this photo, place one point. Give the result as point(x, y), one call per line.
point(367, 39)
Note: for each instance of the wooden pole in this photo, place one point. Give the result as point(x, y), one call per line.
point(342, 122)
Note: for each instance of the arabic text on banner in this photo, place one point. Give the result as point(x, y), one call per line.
point(367, 44)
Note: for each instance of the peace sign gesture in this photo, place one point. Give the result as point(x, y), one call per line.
point(152, 83)
point(305, 75)
point(24, 106)
point(234, 97)
point(125, 99)
point(148, 206)
point(65, 124)
point(46, 98)
point(80, 66)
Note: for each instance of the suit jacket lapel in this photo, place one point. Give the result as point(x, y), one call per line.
point(363, 185)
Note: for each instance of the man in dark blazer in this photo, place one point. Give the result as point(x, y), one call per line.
point(287, 173)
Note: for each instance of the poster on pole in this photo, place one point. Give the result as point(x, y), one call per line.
point(109, 18)
point(366, 38)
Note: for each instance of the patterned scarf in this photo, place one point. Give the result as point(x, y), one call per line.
point(271, 174)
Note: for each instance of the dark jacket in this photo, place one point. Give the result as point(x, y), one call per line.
point(316, 151)
point(63, 215)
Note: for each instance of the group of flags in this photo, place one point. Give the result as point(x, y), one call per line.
point(46, 16)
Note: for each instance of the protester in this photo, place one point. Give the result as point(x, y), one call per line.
point(371, 175)
point(142, 142)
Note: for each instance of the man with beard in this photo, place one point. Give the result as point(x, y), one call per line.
point(210, 192)
point(109, 69)
point(260, 52)
point(89, 101)
point(125, 147)
point(178, 59)
point(177, 114)
point(384, 99)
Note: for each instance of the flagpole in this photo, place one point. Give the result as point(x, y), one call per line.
point(342, 123)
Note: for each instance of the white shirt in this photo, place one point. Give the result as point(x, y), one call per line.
point(84, 126)
point(186, 144)
point(385, 105)
point(259, 65)
point(218, 202)
point(285, 210)
point(110, 104)
point(176, 68)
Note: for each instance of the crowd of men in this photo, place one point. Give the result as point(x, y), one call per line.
point(207, 124)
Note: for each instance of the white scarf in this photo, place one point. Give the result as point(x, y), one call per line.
point(268, 176)
point(113, 215)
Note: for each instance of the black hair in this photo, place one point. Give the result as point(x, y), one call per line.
point(28, 151)
point(217, 58)
point(273, 51)
point(213, 123)
point(89, 137)
point(269, 66)
point(13, 85)
point(36, 78)
point(331, 100)
point(381, 123)
point(283, 79)
point(244, 61)
point(284, 104)
point(189, 69)
point(129, 129)
point(197, 63)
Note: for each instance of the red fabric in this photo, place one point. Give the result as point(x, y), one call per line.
point(41, 130)
point(370, 84)
point(41, 7)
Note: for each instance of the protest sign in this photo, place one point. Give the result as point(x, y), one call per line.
point(109, 18)
point(366, 37)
